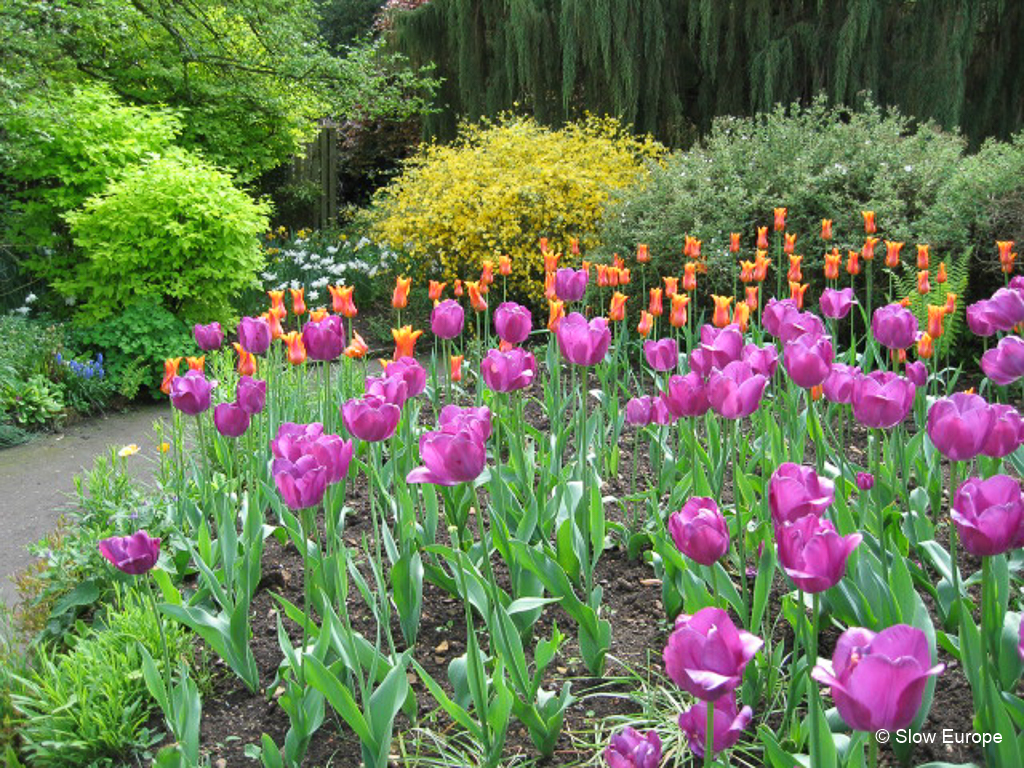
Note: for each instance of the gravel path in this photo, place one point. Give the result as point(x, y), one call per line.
point(37, 477)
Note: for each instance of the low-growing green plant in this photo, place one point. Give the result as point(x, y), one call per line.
point(88, 705)
point(33, 403)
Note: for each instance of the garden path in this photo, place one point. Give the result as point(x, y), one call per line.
point(36, 478)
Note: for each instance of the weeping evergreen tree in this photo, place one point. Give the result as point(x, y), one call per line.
point(670, 66)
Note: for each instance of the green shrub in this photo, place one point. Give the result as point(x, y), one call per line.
point(34, 403)
point(89, 705)
point(172, 230)
point(819, 162)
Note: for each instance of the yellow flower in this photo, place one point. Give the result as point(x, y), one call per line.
point(128, 450)
point(165, 447)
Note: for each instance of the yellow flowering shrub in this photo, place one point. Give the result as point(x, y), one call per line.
point(502, 186)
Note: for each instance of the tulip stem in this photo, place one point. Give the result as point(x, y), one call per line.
point(872, 751)
point(163, 645)
point(875, 462)
point(954, 606)
point(709, 735)
point(741, 531)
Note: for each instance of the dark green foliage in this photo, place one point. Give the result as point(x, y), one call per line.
point(670, 66)
point(342, 22)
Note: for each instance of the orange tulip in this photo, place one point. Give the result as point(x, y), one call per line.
point(671, 285)
point(795, 273)
point(826, 229)
point(690, 277)
point(853, 262)
point(892, 253)
point(869, 222)
point(741, 315)
point(694, 246)
point(405, 340)
point(797, 291)
point(551, 261)
point(574, 246)
point(504, 265)
point(922, 257)
point(780, 219)
point(456, 367)
point(789, 243)
point(762, 238)
point(585, 266)
point(617, 310)
point(925, 347)
point(400, 296)
point(904, 302)
point(486, 272)
point(1006, 264)
point(276, 299)
point(868, 251)
point(435, 290)
point(1004, 246)
point(556, 311)
point(702, 267)
point(677, 315)
point(751, 298)
point(197, 363)
point(720, 318)
point(940, 276)
point(357, 347)
point(817, 391)
point(950, 303)
point(549, 286)
point(617, 261)
point(337, 297)
point(624, 276)
point(734, 242)
point(318, 314)
point(246, 360)
point(602, 275)
point(613, 274)
point(476, 299)
point(642, 254)
point(746, 271)
point(935, 314)
point(645, 324)
point(922, 282)
point(457, 290)
point(898, 355)
point(296, 349)
point(832, 264)
point(761, 264)
point(543, 243)
point(298, 300)
point(170, 372)
point(656, 308)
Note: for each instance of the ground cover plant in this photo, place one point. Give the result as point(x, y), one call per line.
point(723, 531)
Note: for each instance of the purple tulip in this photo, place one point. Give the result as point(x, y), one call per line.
point(775, 312)
point(878, 681)
point(1007, 307)
point(836, 304)
point(513, 322)
point(881, 399)
point(660, 414)
point(812, 554)
point(838, 386)
point(686, 395)
point(1017, 282)
point(391, 389)
point(630, 749)
point(917, 372)
point(958, 425)
point(728, 724)
point(894, 326)
point(700, 531)
point(706, 654)
point(411, 372)
point(190, 393)
point(508, 371)
point(334, 455)
point(662, 355)
point(1007, 431)
point(292, 439)
point(370, 418)
point(721, 345)
point(450, 459)
point(301, 483)
point(865, 481)
point(983, 319)
point(230, 419)
point(324, 340)
point(989, 515)
point(455, 419)
point(795, 491)
point(796, 324)
point(1004, 364)
point(583, 343)
point(134, 555)
point(254, 335)
point(208, 337)
point(639, 411)
point(571, 284)
point(735, 391)
point(808, 359)
point(251, 395)
point(764, 360)
point(1020, 631)
point(447, 319)
point(700, 362)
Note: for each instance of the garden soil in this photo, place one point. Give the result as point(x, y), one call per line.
point(36, 478)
